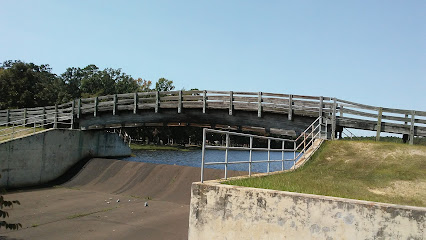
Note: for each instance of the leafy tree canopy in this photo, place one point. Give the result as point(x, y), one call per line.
point(30, 85)
point(164, 85)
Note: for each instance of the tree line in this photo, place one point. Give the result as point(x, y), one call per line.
point(30, 85)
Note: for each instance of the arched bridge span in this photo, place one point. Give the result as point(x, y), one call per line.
point(284, 114)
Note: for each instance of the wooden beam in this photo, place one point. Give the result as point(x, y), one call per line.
point(114, 107)
point(55, 121)
point(25, 116)
point(333, 121)
point(7, 117)
point(290, 107)
point(379, 124)
point(72, 114)
point(413, 113)
point(231, 102)
point(157, 101)
point(204, 101)
point(259, 104)
point(135, 103)
point(180, 102)
point(79, 108)
point(44, 116)
point(95, 107)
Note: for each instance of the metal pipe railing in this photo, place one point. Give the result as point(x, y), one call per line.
point(311, 133)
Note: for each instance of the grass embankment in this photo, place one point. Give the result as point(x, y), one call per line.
point(366, 170)
point(161, 147)
point(18, 132)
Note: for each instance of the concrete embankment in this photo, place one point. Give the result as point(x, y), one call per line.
point(86, 206)
point(220, 211)
point(158, 181)
point(42, 157)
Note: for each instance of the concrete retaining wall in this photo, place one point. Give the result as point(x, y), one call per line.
point(45, 156)
point(220, 211)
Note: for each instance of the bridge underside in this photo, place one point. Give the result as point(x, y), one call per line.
point(269, 122)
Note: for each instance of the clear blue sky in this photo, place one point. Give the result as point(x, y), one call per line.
point(372, 52)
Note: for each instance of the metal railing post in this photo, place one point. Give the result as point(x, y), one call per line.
point(282, 156)
point(304, 142)
point(203, 152)
point(226, 155)
point(294, 152)
point(269, 155)
point(251, 157)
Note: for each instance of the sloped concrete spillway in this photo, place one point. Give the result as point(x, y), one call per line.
point(86, 206)
point(44, 156)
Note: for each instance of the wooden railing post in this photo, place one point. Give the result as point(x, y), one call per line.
point(135, 103)
point(379, 124)
point(259, 104)
point(25, 116)
point(114, 107)
point(231, 102)
point(157, 101)
point(7, 117)
point(72, 114)
point(333, 120)
point(413, 114)
point(290, 107)
point(95, 107)
point(55, 121)
point(341, 111)
point(79, 108)
point(44, 116)
point(204, 101)
point(180, 102)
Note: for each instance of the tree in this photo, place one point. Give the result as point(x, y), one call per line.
point(164, 85)
point(28, 85)
point(144, 85)
point(4, 214)
point(106, 82)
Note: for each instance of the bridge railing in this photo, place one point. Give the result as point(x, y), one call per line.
point(340, 112)
point(380, 119)
point(248, 101)
point(298, 147)
point(25, 126)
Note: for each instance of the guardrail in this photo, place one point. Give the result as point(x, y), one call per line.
point(341, 113)
point(380, 119)
point(299, 147)
point(12, 129)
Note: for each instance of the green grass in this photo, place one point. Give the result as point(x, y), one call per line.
point(366, 170)
point(160, 147)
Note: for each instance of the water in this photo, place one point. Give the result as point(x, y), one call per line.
point(193, 159)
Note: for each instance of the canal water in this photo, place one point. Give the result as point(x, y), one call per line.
point(193, 159)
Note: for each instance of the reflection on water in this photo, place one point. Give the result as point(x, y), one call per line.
point(193, 159)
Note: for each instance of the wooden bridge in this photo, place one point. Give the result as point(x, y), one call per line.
point(283, 114)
